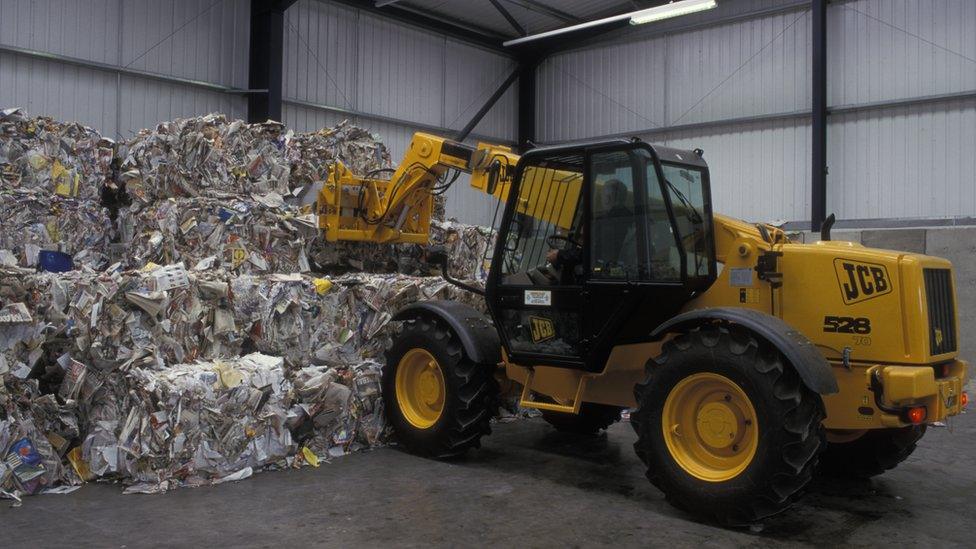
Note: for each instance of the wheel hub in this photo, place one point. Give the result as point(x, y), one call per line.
point(710, 427)
point(429, 389)
point(717, 424)
point(420, 388)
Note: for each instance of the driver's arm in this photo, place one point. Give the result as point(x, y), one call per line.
point(569, 257)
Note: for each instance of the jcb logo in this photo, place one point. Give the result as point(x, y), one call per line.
point(861, 281)
point(542, 329)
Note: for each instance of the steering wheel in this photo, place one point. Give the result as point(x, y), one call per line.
point(554, 241)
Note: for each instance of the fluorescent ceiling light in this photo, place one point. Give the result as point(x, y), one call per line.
point(674, 9)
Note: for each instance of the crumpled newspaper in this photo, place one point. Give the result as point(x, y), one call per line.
point(51, 178)
point(31, 222)
point(86, 355)
point(239, 235)
point(311, 154)
point(204, 156)
point(169, 315)
point(51, 157)
point(208, 350)
point(215, 157)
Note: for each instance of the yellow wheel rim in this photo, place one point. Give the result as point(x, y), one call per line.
point(710, 427)
point(420, 388)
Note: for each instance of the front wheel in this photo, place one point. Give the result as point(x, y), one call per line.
point(726, 427)
point(438, 401)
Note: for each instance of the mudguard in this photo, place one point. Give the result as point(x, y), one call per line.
point(812, 367)
point(477, 334)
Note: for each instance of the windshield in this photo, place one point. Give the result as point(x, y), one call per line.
point(686, 188)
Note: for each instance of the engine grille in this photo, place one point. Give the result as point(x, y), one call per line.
point(942, 314)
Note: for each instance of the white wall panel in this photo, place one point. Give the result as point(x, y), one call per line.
point(203, 40)
point(86, 29)
point(604, 90)
point(401, 71)
point(917, 161)
point(49, 88)
point(342, 57)
point(733, 70)
point(759, 171)
point(894, 49)
point(758, 66)
point(321, 49)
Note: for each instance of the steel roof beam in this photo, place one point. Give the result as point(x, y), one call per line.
point(539, 7)
point(508, 16)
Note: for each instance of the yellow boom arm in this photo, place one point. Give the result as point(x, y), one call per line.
point(398, 210)
point(373, 209)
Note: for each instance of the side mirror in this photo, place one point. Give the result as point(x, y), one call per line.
point(437, 255)
point(494, 174)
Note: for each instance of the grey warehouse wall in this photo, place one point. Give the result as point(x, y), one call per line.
point(123, 65)
point(119, 66)
point(735, 81)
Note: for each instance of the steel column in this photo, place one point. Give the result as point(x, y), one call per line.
point(818, 181)
point(266, 57)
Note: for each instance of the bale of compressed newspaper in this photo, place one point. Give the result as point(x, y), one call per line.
point(32, 222)
point(201, 421)
point(51, 158)
point(204, 156)
point(312, 153)
point(239, 235)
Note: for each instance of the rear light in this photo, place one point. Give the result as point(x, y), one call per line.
point(915, 415)
point(963, 399)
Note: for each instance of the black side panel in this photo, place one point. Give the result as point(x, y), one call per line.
point(942, 314)
point(800, 351)
point(477, 334)
point(457, 150)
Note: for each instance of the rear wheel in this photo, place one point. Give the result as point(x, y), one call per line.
point(438, 401)
point(725, 427)
point(870, 453)
point(591, 419)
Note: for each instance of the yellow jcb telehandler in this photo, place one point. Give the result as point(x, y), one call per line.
point(746, 358)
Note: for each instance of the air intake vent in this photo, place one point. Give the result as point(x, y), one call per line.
point(942, 314)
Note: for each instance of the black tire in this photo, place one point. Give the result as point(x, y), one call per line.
point(592, 419)
point(873, 453)
point(471, 392)
point(788, 415)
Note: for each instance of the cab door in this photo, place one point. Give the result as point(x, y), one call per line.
point(633, 280)
point(572, 274)
point(535, 285)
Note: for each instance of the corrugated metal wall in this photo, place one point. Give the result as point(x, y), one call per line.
point(751, 59)
point(189, 39)
point(908, 161)
point(341, 59)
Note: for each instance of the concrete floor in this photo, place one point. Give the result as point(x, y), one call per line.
point(528, 486)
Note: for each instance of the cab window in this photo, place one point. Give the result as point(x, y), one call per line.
point(614, 242)
point(685, 186)
point(544, 240)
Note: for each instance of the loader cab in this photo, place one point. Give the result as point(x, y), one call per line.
point(599, 243)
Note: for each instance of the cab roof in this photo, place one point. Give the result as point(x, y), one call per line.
point(665, 154)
